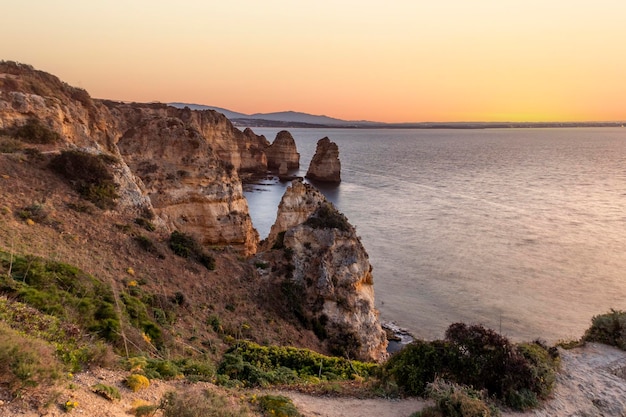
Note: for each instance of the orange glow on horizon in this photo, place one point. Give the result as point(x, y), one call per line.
point(397, 62)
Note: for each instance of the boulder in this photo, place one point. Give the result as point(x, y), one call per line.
point(325, 165)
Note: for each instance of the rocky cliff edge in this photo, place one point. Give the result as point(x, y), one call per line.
point(326, 278)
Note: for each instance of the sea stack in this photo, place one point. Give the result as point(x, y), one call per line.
point(325, 270)
point(283, 149)
point(325, 165)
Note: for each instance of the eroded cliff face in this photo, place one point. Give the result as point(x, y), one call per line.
point(80, 122)
point(191, 189)
point(325, 165)
point(283, 150)
point(188, 159)
point(327, 274)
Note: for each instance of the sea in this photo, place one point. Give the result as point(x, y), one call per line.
point(519, 230)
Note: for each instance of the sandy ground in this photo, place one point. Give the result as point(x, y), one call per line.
point(592, 383)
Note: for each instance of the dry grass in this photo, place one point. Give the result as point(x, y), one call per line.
point(105, 246)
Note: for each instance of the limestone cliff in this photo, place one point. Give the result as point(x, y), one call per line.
point(191, 189)
point(187, 160)
point(325, 165)
point(328, 277)
point(283, 149)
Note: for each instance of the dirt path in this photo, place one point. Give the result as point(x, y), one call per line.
point(592, 383)
point(311, 406)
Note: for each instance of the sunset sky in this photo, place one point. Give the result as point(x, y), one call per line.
point(392, 61)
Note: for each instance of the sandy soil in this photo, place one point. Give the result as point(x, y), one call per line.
point(592, 383)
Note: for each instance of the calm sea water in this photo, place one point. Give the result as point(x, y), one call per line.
point(521, 230)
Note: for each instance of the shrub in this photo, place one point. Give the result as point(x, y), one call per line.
point(279, 243)
point(90, 176)
point(34, 131)
point(328, 217)
point(145, 223)
point(277, 405)
point(608, 328)
point(452, 400)
point(199, 403)
point(186, 246)
point(9, 145)
point(148, 245)
point(35, 212)
point(481, 358)
point(137, 382)
point(418, 364)
point(142, 408)
point(25, 362)
point(257, 365)
point(63, 291)
point(106, 391)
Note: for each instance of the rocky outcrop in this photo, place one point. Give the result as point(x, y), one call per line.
point(179, 163)
point(283, 149)
point(325, 165)
point(28, 95)
point(298, 204)
point(191, 189)
point(328, 278)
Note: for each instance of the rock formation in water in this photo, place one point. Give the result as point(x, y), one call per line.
point(283, 149)
point(180, 164)
point(327, 278)
point(325, 165)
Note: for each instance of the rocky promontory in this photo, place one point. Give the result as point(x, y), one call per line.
point(325, 165)
point(326, 278)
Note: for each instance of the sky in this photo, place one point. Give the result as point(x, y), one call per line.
point(391, 61)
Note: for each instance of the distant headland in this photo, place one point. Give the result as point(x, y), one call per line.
point(295, 119)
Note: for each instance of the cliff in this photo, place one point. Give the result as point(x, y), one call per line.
point(326, 278)
point(325, 165)
point(283, 149)
point(178, 163)
point(191, 189)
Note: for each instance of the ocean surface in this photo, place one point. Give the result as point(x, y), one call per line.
point(521, 230)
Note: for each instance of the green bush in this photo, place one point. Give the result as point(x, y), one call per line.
point(608, 328)
point(71, 348)
point(418, 364)
point(89, 175)
point(34, 131)
point(145, 223)
point(277, 406)
point(186, 246)
point(328, 217)
point(478, 357)
point(256, 365)
point(25, 362)
point(137, 382)
point(148, 245)
point(63, 291)
point(107, 391)
point(10, 145)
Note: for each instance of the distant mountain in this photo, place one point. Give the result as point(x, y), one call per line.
point(285, 118)
point(288, 119)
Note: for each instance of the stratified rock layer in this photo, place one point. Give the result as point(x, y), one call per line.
point(191, 189)
point(329, 272)
point(179, 163)
point(325, 165)
point(283, 149)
